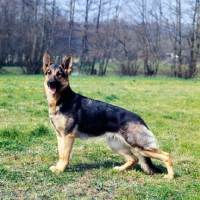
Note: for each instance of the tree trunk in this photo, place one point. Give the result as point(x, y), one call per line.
point(71, 25)
point(179, 38)
point(194, 42)
point(84, 38)
point(43, 28)
point(51, 25)
point(96, 39)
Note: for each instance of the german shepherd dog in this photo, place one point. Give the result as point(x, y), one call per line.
point(73, 115)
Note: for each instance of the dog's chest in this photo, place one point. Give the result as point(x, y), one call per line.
point(62, 123)
point(59, 123)
point(58, 120)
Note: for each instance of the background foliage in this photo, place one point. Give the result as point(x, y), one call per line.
point(136, 35)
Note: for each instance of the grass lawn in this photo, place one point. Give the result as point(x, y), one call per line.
point(28, 146)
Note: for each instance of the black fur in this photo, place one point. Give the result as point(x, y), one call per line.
point(95, 117)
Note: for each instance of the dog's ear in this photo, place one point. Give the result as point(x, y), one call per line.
point(67, 64)
point(46, 61)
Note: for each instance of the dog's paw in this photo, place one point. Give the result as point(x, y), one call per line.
point(169, 176)
point(55, 169)
point(119, 168)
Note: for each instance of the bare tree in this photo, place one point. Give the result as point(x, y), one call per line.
point(52, 20)
point(28, 29)
point(37, 31)
point(173, 20)
point(108, 40)
point(179, 38)
point(96, 38)
point(156, 28)
point(71, 24)
point(147, 20)
point(95, 33)
point(84, 45)
point(8, 25)
point(193, 37)
point(126, 52)
point(31, 68)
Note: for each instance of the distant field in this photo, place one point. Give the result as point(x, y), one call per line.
point(28, 146)
point(112, 70)
point(11, 70)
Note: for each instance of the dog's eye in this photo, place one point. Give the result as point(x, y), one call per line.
point(59, 74)
point(49, 72)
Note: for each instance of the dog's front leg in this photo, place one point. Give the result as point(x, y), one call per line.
point(65, 143)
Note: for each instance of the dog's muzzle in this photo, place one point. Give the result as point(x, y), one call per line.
point(53, 85)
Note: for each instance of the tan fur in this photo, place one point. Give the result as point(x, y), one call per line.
point(162, 156)
point(65, 140)
point(65, 144)
point(121, 147)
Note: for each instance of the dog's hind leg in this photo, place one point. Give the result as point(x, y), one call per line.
point(131, 159)
point(144, 142)
point(118, 145)
point(147, 165)
point(162, 156)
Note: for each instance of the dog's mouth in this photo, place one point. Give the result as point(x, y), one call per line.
point(52, 88)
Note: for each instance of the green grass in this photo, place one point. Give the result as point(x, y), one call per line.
point(28, 146)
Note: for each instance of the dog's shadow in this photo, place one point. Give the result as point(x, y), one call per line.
point(83, 167)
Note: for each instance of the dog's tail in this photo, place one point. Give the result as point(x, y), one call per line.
point(147, 165)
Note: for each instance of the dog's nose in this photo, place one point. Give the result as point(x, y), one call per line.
point(52, 82)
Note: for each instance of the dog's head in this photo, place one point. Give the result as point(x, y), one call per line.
point(56, 76)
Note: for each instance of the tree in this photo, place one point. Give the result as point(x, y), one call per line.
point(36, 33)
point(127, 53)
point(8, 27)
point(84, 45)
point(128, 32)
point(96, 38)
point(147, 20)
point(107, 41)
point(173, 20)
point(71, 24)
point(193, 37)
point(179, 38)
